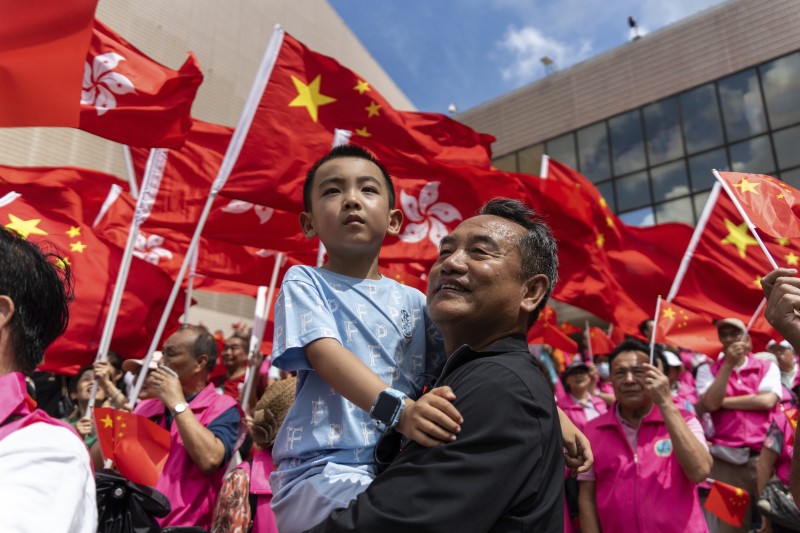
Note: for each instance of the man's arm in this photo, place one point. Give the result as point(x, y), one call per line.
point(578, 450)
point(713, 397)
point(509, 442)
point(766, 462)
point(763, 401)
point(430, 421)
point(587, 506)
point(692, 454)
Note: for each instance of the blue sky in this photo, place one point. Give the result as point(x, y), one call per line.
point(470, 51)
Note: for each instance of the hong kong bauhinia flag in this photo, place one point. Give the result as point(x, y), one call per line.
point(129, 98)
point(42, 50)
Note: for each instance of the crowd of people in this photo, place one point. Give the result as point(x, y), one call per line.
point(401, 412)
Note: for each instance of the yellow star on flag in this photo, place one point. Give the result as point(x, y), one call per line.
point(609, 222)
point(603, 203)
point(792, 259)
point(308, 96)
point(747, 186)
point(62, 261)
point(669, 312)
point(25, 227)
point(107, 422)
point(783, 241)
point(601, 240)
point(739, 237)
point(780, 196)
point(361, 87)
point(373, 109)
point(77, 247)
point(73, 231)
point(363, 132)
point(757, 282)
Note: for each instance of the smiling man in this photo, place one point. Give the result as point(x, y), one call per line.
point(652, 455)
point(505, 470)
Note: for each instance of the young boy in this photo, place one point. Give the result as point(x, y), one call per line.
point(362, 344)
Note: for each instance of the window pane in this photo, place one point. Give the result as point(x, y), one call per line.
point(792, 177)
point(781, 79)
point(701, 124)
point(562, 149)
point(787, 146)
point(742, 106)
point(700, 168)
point(663, 131)
point(507, 163)
point(607, 192)
point(632, 191)
point(753, 156)
point(593, 152)
point(626, 143)
point(640, 217)
point(530, 159)
point(669, 181)
point(700, 202)
point(675, 211)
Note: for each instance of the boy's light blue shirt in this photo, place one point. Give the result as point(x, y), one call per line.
point(385, 324)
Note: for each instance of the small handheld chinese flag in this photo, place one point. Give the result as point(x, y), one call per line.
point(727, 502)
point(138, 447)
point(683, 327)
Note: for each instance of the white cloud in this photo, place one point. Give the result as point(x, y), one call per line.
point(527, 47)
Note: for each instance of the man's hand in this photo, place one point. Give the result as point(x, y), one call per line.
point(577, 450)
point(736, 353)
point(657, 385)
point(782, 290)
point(167, 388)
point(431, 420)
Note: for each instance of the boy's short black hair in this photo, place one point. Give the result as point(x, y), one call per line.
point(345, 150)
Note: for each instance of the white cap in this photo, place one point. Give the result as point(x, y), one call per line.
point(672, 359)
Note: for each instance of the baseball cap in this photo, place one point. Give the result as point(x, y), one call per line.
point(573, 367)
point(135, 365)
point(735, 322)
point(672, 358)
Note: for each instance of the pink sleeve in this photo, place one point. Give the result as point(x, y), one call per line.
point(697, 430)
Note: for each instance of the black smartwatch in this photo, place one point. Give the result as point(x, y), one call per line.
point(387, 409)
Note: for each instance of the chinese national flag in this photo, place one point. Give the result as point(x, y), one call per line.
point(599, 341)
point(683, 327)
point(724, 276)
point(727, 502)
point(138, 446)
point(568, 329)
point(42, 49)
point(131, 99)
point(53, 215)
point(308, 96)
point(613, 270)
point(546, 331)
point(772, 205)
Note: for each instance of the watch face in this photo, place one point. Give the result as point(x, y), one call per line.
point(385, 408)
point(181, 407)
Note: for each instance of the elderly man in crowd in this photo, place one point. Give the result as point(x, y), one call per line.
point(739, 391)
point(46, 479)
point(204, 426)
point(649, 457)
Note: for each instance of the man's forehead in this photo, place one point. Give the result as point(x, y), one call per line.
point(630, 358)
point(489, 227)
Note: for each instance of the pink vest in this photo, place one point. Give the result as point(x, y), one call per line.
point(191, 493)
point(783, 465)
point(734, 427)
point(264, 520)
point(644, 490)
point(20, 409)
point(575, 411)
point(686, 393)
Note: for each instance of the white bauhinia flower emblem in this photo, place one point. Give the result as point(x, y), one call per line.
point(100, 83)
point(426, 216)
point(237, 207)
point(148, 247)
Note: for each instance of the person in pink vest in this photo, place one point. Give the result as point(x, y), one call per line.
point(648, 456)
point(204, 426)
point(739, 391)
point(46, 477)
point(776, 459)
point(683, 395)
point(787, 363)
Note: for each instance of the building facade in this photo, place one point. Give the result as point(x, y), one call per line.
point(647, 122)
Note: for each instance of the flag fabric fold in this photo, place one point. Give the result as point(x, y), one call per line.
point(138, 446)
point(772, 205)
point(546, 331)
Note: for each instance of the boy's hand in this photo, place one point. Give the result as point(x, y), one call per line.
point(431, 420)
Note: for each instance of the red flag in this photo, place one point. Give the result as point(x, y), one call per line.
point(129, 98)
point(599, 342)
point(771, 205)
point(727, 502)
point(309, 96)
point(568, 329)
point(546, 331)
point(138, 446)
point(53, 215)
point(683, 327)
point(43, 47)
